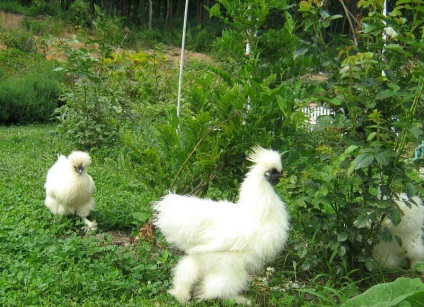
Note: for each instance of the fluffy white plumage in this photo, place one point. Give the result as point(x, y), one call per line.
point(410, 231)
point(69, 188)
point(224, 242)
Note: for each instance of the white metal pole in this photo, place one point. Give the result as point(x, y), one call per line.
point(383, 73)
point(180, 80)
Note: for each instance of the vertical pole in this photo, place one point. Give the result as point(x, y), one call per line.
point(247, 54)
point(383, 73)
point(150, 14)
point(180, 80)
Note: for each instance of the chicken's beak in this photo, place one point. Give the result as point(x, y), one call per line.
point(273, 177)
point(79, 169)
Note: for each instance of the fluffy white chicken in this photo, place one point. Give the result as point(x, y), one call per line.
point(224, 242)
point(410, 231)
point(69, 188)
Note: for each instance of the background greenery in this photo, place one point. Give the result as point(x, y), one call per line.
point(111, 90)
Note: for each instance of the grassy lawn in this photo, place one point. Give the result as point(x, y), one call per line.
point(48, 260)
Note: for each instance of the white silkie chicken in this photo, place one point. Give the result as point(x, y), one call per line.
point(69, 188)
point(224, 242)
point(410, 231)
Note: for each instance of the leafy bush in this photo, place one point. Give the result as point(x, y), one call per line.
point(350, 175)
point(32, 97)
point(199, 39)
point(44, 26)
point(352, 186)
point(14, 6)
point(28, 100)
point(106, 93)
point(221, 119)
point(17, 39)
point(229, 46)
point(79, 13)
point(45, 7)
point(109, 29)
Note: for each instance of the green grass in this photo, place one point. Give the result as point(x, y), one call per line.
point(49, 261)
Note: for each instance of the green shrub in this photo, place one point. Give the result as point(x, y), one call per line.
point(149, 38)
point(230, 46)
point(109, 93)
point(28, 100)
point(44, 26)
point(109, 29)
point(14, 6)
point(45, 7)
point(206, 146)
point(18, 39)
point(199, 39)
point(79, 13)
point(352, 186)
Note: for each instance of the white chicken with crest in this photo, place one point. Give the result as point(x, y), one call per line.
point(225, 242)
point(410, 230)
point(69, 188)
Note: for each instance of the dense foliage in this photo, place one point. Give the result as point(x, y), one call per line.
point(28, 92)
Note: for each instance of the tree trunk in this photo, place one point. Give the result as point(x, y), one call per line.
point(170, 15)
point(199, 11)
point(150, 14)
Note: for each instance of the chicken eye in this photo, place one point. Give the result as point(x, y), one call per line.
point(271, 172)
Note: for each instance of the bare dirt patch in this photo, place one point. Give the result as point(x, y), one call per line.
point(54, 47)
point(175, 53)
point(10, 20)
point(53, 51)
point(125, 238)
point(119, 238)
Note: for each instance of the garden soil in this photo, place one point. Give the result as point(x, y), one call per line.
point(10, 21)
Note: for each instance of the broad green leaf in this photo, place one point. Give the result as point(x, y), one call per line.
point(339, 120)
point(299, 52)
point(385, 94)
point(371, 136)
point(363, 160)
point(411, 189)
point(323, 191)
point(335, 17)
point(342, 251)
point(415, 132)
point(341, 237)
point(402, 290)
point(395, 47)
point(323, 121)
point(336, 101)
point(383, 158)
point(140, 216)
point(215, 10)
point(362, 221)
point(350, 149)
point(394, 86)
point(395, 216)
